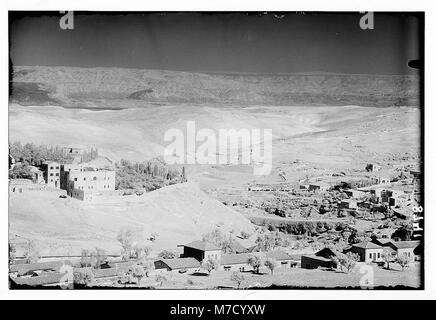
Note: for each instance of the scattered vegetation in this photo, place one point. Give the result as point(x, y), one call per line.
point(346, 262)
point(148, 176)
point(93, 259)
point(218, 238)
point(161, 279)
point(135, 273)
point(36, 155)
point(167, 254)
point(83, 276)
point(20, 171)
point(129, 250)
point(32, 253)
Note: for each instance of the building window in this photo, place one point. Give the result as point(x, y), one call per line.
point(57, 174)
point(51, 174)
point(75, 179)
point(57, 167)
point(378, 255)
point(84, 178)
point(51, 168)
point(95, 178)
point(370, 255)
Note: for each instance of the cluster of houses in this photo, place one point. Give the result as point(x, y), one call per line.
point(190, 261)
point(81, 180)
point(368, 252)
point(196, 252)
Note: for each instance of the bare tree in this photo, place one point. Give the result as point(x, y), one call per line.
point(387, 257)
point(210, 264)
point(403, 260)
point(238, 278)
point(270, 263)
point(125, 238)
point(255, 261)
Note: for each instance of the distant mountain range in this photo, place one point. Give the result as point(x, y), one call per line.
point(116, 88)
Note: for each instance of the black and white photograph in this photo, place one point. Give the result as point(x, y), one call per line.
point(234, 150)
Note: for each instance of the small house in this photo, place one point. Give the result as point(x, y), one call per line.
point(348, 204)
point(235, 262)
point(319, 186)
point(201, 250)
point(352, 193)
point(367, 251)
point(404, 248)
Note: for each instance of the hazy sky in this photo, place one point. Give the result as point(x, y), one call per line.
point(219, 42)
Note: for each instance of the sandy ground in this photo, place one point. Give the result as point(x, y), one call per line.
point(295, 277)
point(177, 214)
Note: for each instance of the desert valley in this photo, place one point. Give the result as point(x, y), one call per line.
point(345, 171)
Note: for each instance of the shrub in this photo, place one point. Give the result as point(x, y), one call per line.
point(20, 172)
point(83, 276)
point(160, 279)
point(167, 254)
point(136, 272)
point(245, 234)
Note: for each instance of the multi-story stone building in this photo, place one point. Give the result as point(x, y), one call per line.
point(52, 172)
point(84, 182)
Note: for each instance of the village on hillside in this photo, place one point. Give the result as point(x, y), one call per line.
point(216, 151)
point(313, 233)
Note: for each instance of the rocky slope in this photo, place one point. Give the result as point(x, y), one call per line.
point(116, 88)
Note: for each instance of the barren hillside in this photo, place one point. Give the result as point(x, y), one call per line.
point(177, 214)
point(123, 88)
